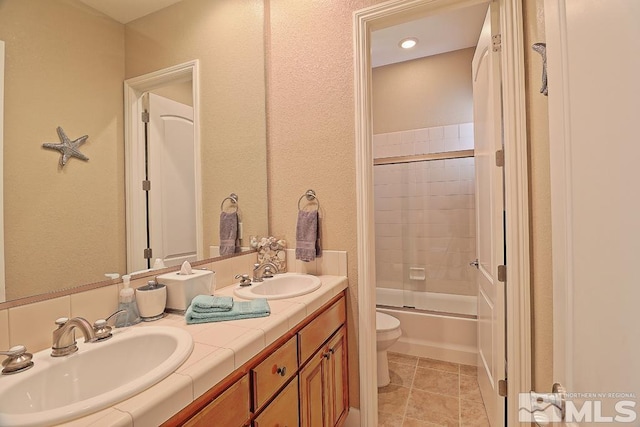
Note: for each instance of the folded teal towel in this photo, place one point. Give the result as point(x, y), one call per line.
point(211, 304)
point(241, 310)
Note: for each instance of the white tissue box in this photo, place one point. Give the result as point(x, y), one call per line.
point(182, 288)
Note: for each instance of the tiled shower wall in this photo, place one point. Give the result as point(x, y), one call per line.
point(425, 212)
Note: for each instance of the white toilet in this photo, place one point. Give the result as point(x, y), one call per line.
point(387, 332)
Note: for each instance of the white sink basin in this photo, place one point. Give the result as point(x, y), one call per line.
point(98, 375)
point(280, 286)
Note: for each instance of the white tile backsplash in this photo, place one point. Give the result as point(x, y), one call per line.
point(424, 141)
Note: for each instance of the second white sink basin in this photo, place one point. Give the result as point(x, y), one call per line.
point(280, 286)
point(98, 375)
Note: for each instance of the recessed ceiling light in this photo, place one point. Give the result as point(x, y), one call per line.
point(408, 43)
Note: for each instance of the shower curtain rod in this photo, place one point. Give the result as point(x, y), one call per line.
point(423, 157)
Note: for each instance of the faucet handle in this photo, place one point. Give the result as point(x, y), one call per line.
point(18, 360)
point(244, 279)
point(60, 321)
point(268, 272)
point(101, 326)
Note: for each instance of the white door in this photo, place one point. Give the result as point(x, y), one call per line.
point(172, 198)
point(593, 49)
point(487, 112)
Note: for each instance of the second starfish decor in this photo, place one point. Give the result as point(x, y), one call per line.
point(67, 147)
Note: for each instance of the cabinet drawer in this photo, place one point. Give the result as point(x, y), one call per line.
point(273, 372)
point(283, 411)
point(320, 329)
point(229, 409)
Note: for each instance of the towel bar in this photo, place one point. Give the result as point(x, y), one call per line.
point(310, 195)
point(233, 197)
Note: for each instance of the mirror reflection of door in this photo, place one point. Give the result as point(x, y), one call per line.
point(171, 201)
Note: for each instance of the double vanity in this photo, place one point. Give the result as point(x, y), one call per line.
point(287, 369)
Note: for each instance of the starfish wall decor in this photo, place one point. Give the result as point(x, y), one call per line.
point(67, 148)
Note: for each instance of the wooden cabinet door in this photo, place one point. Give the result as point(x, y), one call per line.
point(323, 385)
point(312, 396)
point(336, 383)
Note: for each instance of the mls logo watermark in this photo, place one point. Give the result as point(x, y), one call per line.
point(545, 408)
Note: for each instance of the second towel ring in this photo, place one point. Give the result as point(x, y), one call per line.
point(233, 197)
point(310, 195)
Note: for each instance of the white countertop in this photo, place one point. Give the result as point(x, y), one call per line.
point(219, 349)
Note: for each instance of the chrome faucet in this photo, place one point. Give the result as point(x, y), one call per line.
point(64, 341)
point(264, 271)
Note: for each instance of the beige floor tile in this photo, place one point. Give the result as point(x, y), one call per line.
point(392, 399)
point(433, 408)
point(401, 374)
point(473, 414)
point(389, 420)
point(468, 370)
point(469, 388)
point(438, 364)
point(402, 358)
point(435, 381)
point(410, 422)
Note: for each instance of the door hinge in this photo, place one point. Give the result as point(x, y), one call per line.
point(502, 388)
point(147, 253)
point(145, 117)
point(500, 158)
point(146, 185)
point(496, 42)
point(502, 273)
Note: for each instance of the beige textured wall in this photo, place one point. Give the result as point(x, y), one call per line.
point(426, 92)
point(540, 200)
point(227, 37)
point(78, 87)
point(311, 130)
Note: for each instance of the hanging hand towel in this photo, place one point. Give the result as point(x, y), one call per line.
point(308, 236)
point(211, 304)
point(228, 232)
point(241, 310)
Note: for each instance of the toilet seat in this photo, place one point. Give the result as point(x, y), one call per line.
point(386, 323)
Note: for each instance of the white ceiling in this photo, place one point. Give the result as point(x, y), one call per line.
point(125, 11)
point(440, 33)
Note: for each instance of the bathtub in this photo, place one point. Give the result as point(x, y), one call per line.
point(433, 330)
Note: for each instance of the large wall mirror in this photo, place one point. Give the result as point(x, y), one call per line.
point(65, 66)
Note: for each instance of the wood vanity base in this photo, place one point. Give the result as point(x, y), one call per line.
point(301, 379)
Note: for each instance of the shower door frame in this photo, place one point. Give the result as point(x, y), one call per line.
point(419, 158)
point(518, 318)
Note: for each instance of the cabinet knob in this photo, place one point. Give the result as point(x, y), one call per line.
point(326, 355)
point(282, 371)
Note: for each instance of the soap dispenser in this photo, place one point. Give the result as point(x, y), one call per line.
point(127, 302)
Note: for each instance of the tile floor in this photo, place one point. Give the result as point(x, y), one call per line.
point(427, 393)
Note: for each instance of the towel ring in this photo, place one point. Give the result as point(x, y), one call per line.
point(310, 195)
point(233, 198)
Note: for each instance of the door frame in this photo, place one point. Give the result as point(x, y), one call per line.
point(2, 273)
point(518, 319)
point(134, 89)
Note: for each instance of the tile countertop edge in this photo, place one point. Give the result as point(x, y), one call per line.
point(220, 358)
